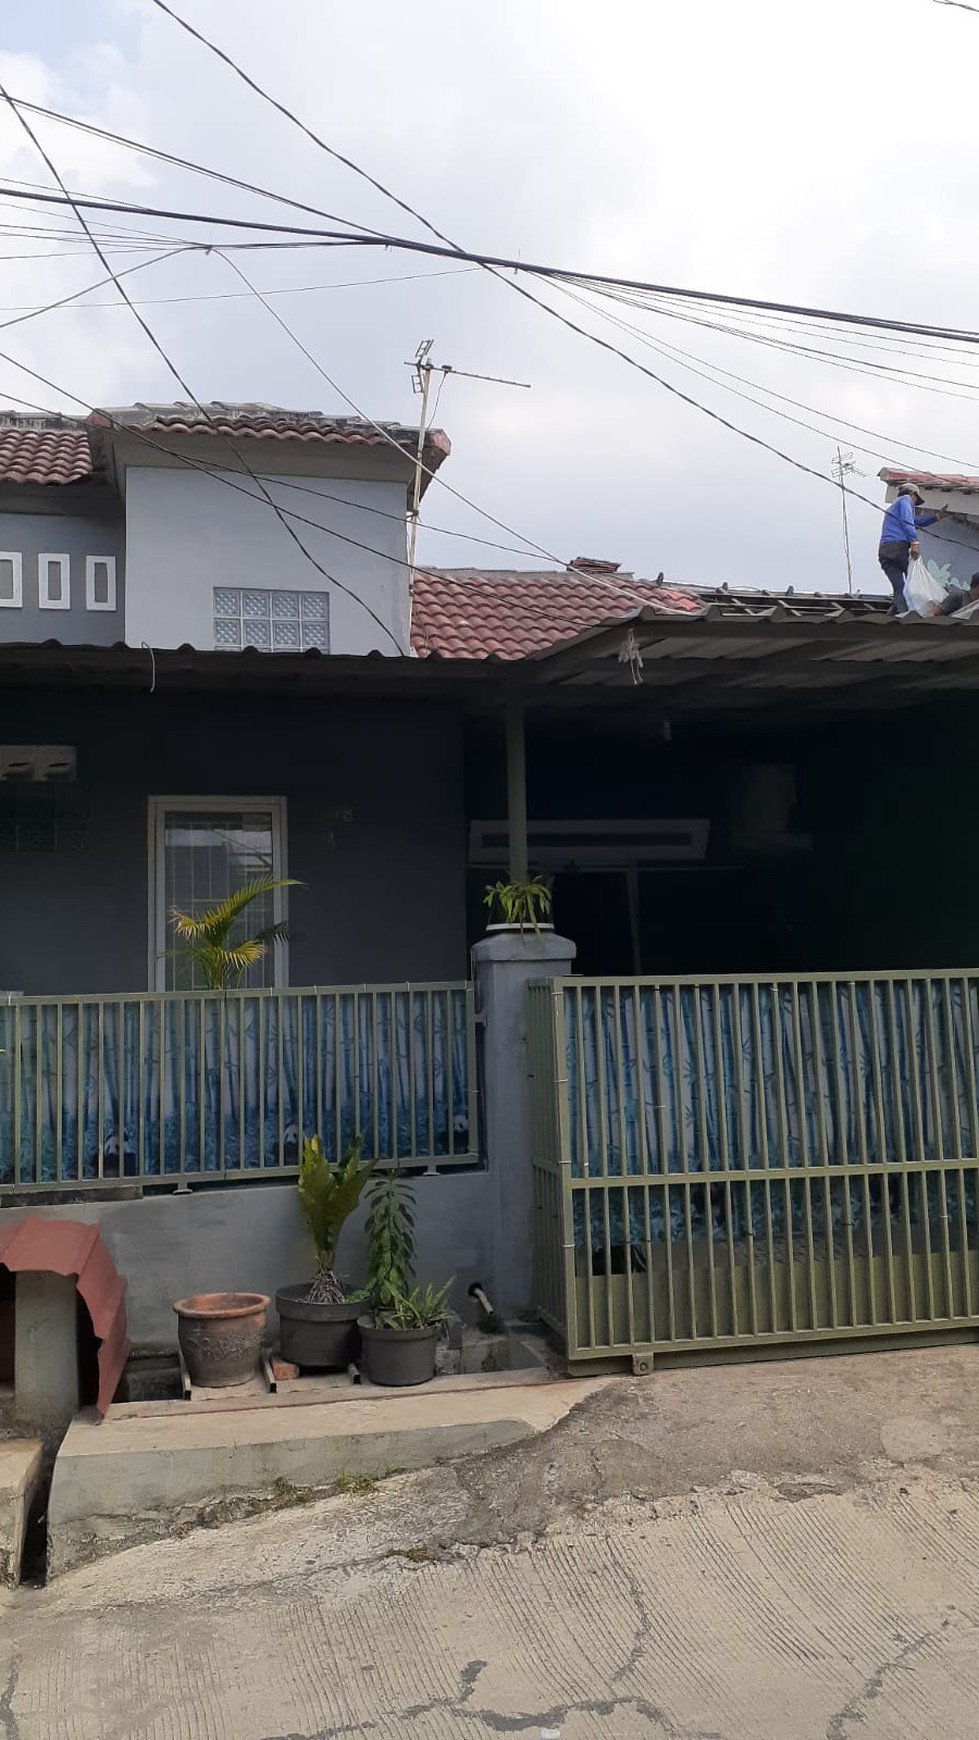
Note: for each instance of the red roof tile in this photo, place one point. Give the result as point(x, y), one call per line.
point(261, 422)
point(930, 479)
point(466, 613)
point(54, 455)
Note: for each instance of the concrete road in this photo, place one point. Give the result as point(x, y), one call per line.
point(780, 1552)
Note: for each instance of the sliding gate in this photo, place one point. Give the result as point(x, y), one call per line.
point(720, 1163)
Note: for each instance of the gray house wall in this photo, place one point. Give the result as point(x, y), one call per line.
point(187, 533)
point(96, 528)
point(252, 1238)
point(375, 823)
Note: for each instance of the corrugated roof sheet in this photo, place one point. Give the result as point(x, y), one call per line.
point(469, 613)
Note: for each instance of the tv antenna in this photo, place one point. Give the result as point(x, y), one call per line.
point(422, 370)
point(844, 466)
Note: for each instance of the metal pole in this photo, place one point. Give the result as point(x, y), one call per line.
point(425, 372)
point(516, 790)
point(842, 469)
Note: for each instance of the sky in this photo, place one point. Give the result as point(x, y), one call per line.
point(827, 159)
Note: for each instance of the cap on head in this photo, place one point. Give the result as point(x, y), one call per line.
point(912, 490)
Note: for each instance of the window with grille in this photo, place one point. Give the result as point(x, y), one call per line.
point(203, 850)
point(271, 621)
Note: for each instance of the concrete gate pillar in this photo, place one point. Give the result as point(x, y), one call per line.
point(46, 1347)
point(504, 965)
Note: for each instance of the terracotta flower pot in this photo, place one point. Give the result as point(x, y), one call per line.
point(220, 1336)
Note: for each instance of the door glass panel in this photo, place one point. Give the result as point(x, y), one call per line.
point(207, 855)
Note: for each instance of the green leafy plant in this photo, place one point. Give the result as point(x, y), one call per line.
point(390, 1240)
point(328, 1195)
point(395, 1301)
point(525, 904)
point(219, 959)
point(422, 1308)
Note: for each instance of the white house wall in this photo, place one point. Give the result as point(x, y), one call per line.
point(187, 533)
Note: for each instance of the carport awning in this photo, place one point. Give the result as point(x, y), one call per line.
point(788, 655)
point(729, 660)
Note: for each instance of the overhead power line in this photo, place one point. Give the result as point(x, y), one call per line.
point(496, 264)
point(239, 458)
point(301, 234)
point(283, 515)
point(244, 295)
point(187, 163)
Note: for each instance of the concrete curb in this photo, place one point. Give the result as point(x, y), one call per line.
point(126, 1480)
point(20, 1474)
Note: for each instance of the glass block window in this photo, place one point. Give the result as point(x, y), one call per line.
point(272, 621)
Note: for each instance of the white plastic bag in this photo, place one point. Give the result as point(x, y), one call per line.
point(922, 592)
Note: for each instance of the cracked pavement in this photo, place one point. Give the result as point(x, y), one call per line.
point(758, 1553)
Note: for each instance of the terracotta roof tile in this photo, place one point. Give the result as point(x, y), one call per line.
point(261, 422)
point(56, 455)
point(931, 479)
point(468, 613)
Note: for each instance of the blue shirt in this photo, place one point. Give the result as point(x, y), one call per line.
point(901, 523)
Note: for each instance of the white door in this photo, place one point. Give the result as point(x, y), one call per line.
point(201, 850)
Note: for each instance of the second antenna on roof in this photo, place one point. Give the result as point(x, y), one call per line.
point(422, 370)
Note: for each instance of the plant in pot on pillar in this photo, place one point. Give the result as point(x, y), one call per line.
point(400, 1334)
point(318, 1321)
point(522, 906)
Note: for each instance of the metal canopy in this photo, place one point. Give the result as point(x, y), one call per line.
point(764, 656)
point(734, 660)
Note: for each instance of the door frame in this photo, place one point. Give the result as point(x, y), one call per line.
point(156, 911)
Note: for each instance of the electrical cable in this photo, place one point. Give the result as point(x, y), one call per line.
point(245, 295)
point(675, 353)
point(187, 163)
point(940, 384)
point(428, 471)
point(621, 588)
point(498, 263)
point(113, 278)
point(573, 326)
point(178, 377)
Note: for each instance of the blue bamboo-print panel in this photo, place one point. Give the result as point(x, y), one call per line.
point(707, 1078)
point(206, 1084)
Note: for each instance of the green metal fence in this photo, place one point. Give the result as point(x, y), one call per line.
point(728, 1162)
point(173, 1088)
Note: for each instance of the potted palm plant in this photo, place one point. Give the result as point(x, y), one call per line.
point(214, 954)
point(400, 1333)
point(522, 906)
point(220, 1334)
point(317, 1319)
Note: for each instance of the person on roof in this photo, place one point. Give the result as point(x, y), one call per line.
point(899, 539)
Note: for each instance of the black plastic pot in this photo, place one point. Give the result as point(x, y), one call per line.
point(316, 1337)
point(397, 1357)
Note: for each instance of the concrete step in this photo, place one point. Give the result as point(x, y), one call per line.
point(20, 1472)
point(123, 1480)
